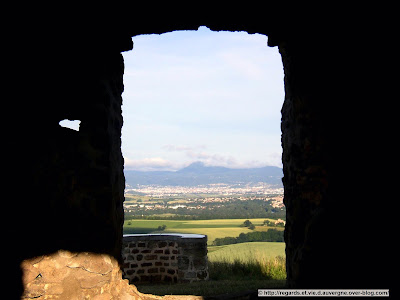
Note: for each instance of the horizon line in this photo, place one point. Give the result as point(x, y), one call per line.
point(166, 169)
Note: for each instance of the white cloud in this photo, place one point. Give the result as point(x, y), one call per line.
point(229, 161)
point(179, 148)
point(149, 164)
point(243, 65)
point(209, 159)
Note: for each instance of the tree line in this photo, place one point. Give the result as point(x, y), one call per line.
point(231, 210)
point(272, 235)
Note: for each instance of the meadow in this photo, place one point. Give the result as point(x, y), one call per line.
point(218, 228)
point(255, 261)
point(232, 268)
point(246, 251)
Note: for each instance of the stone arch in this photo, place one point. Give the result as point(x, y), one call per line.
point(75, 179)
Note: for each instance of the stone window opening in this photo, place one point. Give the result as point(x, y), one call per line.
point(128, 56)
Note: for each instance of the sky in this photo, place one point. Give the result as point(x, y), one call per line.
point(206, 96)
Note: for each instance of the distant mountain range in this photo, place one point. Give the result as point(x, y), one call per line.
point(199, 174)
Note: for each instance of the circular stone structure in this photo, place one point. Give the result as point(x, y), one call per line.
point(165, 257)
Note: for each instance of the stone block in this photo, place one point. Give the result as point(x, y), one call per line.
point(162, 244)
point(152, 270)
point(200, 263)
point(147, 264)
point(202, 275)
point(191, 275)
point(130, 258)
point(183, 262)
point(130, 272)
point(150, 257)
point(152, 244)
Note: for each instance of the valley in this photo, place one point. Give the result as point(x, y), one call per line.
point(240, 210)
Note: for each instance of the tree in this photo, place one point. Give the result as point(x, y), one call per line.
point(252, 227)
point(242, 238)
point(246, 223)
point(161, 228)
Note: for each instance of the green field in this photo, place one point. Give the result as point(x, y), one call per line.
point(246, 251)
point(218, 228)
point(232, 268)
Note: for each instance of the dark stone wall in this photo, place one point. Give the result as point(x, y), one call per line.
point(73, 181)
point(331, 162)
point(307, 158)
point(65, 187)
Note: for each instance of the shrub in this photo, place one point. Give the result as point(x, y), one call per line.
point(161, 228)
point(272, 235)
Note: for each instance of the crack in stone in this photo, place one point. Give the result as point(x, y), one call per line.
point(93, 272)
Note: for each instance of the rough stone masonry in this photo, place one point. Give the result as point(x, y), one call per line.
point(165, 257)
point(80, 275)
point(69, 275)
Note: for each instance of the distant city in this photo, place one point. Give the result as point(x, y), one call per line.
point(205, 192)
point(159, 191)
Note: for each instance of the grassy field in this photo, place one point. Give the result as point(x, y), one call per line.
point(246, 251)
point(234, 269)
point(219, 228)
point(212, 288)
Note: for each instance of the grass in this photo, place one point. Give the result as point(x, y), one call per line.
point(245, 251)
point(249, 269)
point(257, 260)
point(232, 270)
point(218, 228)
point(210, 288)
point(213, 233)
point(217, 223)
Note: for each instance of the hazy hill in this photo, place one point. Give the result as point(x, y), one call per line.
point(198, 174)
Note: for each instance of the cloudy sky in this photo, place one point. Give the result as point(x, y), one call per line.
point(203, 96)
